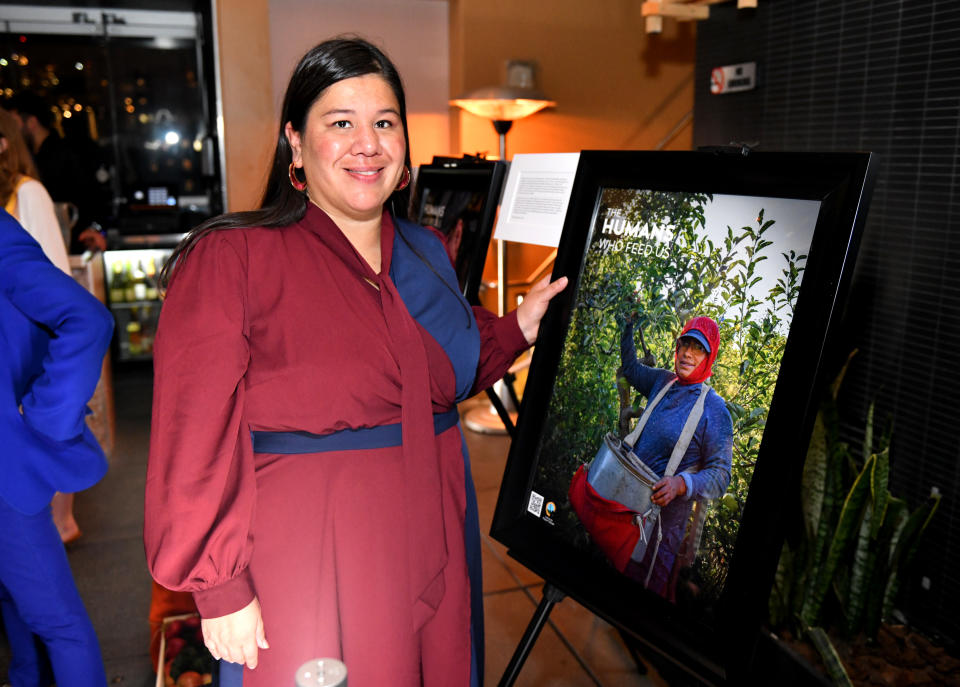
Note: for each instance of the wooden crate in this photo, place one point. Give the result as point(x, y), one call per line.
point(162, 659)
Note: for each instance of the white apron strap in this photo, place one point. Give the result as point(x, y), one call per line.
point(635, 434)
point(689, 427)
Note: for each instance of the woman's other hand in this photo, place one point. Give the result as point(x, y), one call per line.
point(236, 637)
point(92, 240)
point(534, 305)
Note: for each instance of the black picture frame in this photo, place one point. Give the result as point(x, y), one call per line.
point(716, 643)
point(467, 189)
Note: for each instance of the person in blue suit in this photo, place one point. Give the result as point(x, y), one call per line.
point(53, 335)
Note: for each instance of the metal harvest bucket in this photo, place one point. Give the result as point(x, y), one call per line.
point(618, 475)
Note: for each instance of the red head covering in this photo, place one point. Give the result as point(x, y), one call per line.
point(711, 332)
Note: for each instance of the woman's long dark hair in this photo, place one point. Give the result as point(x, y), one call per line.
point(324, 65)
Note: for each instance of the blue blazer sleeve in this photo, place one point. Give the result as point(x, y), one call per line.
point(53, 335)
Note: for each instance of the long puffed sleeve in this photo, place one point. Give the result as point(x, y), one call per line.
point(501, 341)
point(200, 490)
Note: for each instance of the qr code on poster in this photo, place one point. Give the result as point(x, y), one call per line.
point(535, 503)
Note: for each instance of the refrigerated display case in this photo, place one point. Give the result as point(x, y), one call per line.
point(134, 298)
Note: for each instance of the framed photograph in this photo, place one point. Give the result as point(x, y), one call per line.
point(657, 246)
point(459, 196)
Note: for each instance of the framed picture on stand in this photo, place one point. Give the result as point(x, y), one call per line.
point(763, 246)
point(459, 197)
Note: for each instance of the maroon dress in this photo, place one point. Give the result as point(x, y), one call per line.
point(354, 554)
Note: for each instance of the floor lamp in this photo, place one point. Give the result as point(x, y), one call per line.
point(503, 105)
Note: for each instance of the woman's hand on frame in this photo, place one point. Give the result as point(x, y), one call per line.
point(534, 305)
point(236, 637)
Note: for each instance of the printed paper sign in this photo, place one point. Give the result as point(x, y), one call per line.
point(535, 198)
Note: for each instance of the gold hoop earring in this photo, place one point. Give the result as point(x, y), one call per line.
point(405, 179)
point(294, 181)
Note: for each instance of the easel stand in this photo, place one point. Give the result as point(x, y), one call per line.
point(551, 597)
point(498, 405)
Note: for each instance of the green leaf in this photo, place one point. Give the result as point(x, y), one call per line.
point(812, 486)
point(868, 434)
point(897, 515)
point(893, 522)
point(906, 547)
point(879, 482)
point(863, 561)
point(909, 538)
point(832, 500)
point(850, 517)
point(781, 593)
point(831, 660)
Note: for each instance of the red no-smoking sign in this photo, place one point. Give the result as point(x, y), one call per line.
point(717, 80)
point(733, 78)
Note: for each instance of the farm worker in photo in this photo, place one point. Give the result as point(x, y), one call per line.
point(704, 470)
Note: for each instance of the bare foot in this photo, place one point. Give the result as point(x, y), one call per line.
point(62, 509)
point(70, 534)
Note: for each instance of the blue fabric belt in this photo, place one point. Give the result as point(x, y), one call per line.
point(344, 440)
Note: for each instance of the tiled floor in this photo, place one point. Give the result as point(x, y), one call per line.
point(575, 648)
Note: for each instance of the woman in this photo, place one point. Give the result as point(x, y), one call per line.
point(24, 197)
point(53, 335)
point(334, 332)
point(704, 470)
point(28, 202)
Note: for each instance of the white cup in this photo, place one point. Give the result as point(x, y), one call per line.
point(322, 672)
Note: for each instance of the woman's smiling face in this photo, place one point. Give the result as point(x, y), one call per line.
point(352, 148)
point(690, 353)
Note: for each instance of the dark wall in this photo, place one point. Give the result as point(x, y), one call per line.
point(881, 76)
